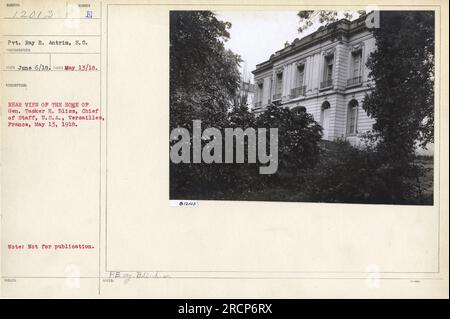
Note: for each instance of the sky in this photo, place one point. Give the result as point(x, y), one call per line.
point(255, 35)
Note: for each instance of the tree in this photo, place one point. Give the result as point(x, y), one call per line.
point(402, 102)
point(402, 67)
point(204, 76)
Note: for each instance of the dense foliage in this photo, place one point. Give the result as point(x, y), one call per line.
point(346, 174)
point(204, 76)
point(298, 150)
point(298, 137)
point(402, 68)
point(402, 102)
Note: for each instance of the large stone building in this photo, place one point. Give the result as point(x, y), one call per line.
point(325, 73)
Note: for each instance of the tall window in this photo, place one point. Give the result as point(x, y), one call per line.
point(356, 64)
point(278, 86)
point(300, 75)
point(329, 69)
point(325, 120)
point(352, 117)
point(327, 72)
point(279, 83)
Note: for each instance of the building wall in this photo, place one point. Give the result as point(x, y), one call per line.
point(339, 96)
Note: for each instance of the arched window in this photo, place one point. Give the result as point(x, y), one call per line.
point(324, 108)
point(325, 120)
point(352, 117)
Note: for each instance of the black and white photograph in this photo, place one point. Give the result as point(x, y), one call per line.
point(302, 106)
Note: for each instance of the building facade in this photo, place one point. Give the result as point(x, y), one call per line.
point(325, 73)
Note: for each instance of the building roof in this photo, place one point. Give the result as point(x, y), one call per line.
point(335, 29)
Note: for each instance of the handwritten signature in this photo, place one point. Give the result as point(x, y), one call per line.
point(137, 275)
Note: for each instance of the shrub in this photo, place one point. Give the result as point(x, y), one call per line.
point(346, 174)
point(298, 137)
point(298, 140)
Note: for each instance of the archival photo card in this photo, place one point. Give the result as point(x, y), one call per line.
point(224, 149)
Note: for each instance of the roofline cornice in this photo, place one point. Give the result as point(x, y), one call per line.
point(340, 28)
